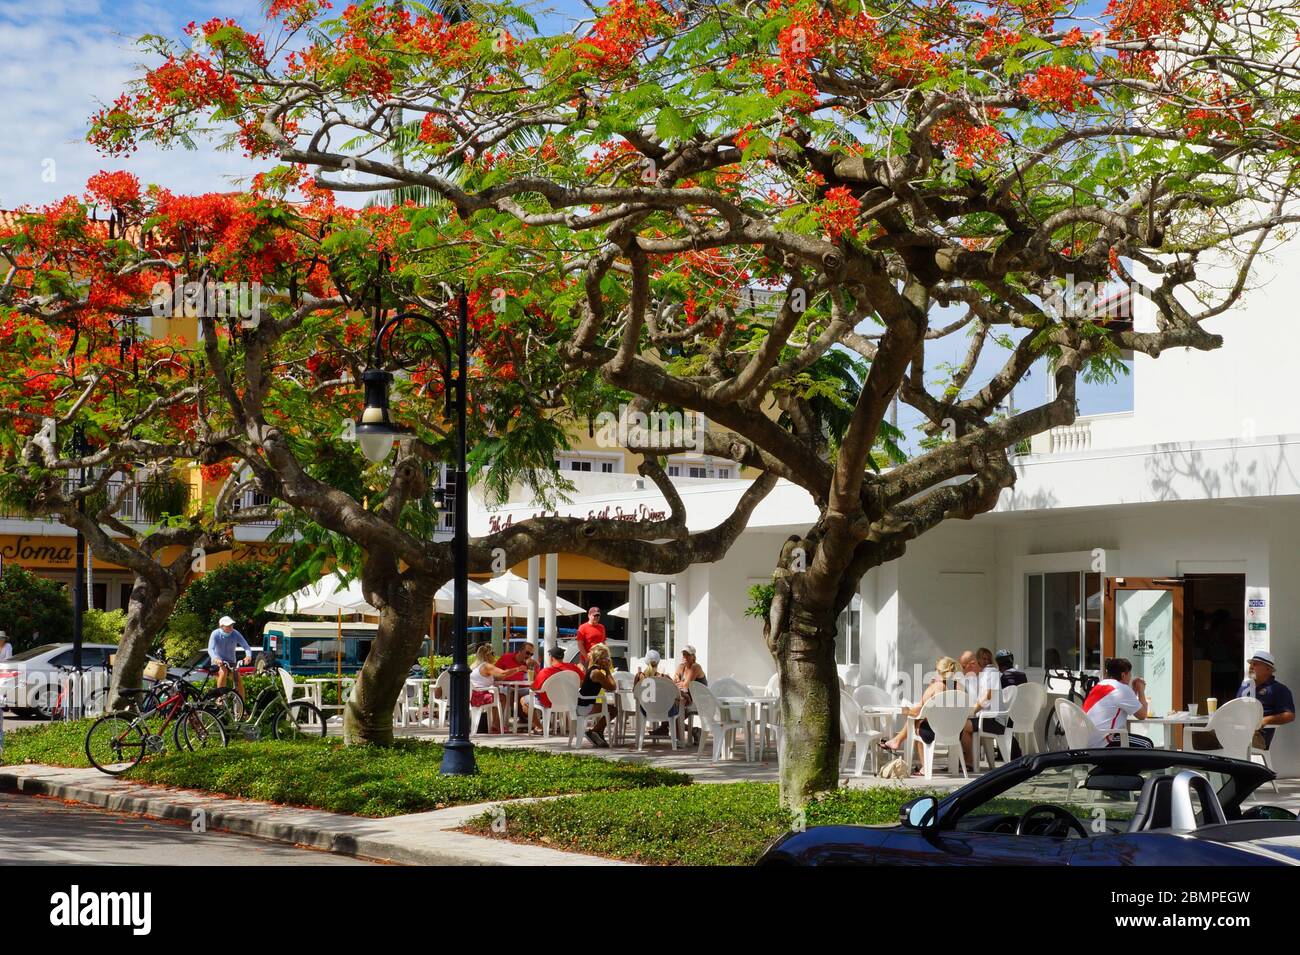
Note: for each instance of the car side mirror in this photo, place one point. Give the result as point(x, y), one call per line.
point(920, 813)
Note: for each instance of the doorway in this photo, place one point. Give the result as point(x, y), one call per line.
point(1215, 636)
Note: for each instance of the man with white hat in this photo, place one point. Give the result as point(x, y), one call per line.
point(6, 648)
point(223, 645)
point(1279, 705)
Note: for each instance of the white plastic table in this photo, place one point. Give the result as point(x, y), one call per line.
point(754, 707)
point(512, 691)
point(345, 690)
point(1178, 720)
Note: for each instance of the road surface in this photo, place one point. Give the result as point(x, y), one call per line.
point(38, 831)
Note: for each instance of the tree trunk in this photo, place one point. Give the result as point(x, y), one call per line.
point(405, 607)
point(810, 702)
point(146, 615)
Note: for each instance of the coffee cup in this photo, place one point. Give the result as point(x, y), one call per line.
point(1211, 704)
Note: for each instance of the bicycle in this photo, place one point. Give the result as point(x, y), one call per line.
point(123, 738)
point(1081, 685)
point(274, 716)
point(225, 696)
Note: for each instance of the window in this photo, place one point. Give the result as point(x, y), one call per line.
point(588, 463)
point(606, 467)
point(699, 472)
point(701, 469)
point(674, 470)
point(848, 633)
point(1063, 620)
point(658, 621)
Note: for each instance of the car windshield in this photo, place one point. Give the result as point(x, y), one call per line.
point(1104, 799)
point(34, 652)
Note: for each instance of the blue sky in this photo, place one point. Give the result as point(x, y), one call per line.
point(61, 59)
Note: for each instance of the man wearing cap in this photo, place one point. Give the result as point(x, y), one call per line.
point(1279, 705)
point(223, 644)
point(555, 664)
point(6, 648)
point(590, 633)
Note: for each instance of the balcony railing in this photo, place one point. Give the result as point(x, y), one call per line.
point(1072, 437)
point(142, 503)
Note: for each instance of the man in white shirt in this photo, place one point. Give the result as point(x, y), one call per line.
point(1113, 702)
point(983, 681)
point(6, 648)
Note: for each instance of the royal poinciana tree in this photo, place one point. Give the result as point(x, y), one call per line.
point(706, 204)
point(100, 420)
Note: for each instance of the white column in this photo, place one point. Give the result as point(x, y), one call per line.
point(552, 586)
point(534, 572)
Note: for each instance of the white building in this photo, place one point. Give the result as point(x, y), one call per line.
point(1169, 534)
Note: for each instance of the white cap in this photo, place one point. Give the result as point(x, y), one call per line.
point(689, 649)
point(1263, 656)
point(652, 656)
point(226, 622)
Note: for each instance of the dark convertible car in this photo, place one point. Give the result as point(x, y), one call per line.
point(1078, 808)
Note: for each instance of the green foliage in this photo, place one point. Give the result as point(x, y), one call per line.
point(103, 626)
point(184, 636)
point(239, 589)
point(760, 601)
point(33, 610)
point(366, 780)
point(723, 824)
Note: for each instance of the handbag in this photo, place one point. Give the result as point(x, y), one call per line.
point(896, 768)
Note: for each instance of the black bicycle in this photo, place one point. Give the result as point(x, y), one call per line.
point(223, 699)
point(1080, 685)
point(273, 715)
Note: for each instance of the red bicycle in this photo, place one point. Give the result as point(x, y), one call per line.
point(117, 741)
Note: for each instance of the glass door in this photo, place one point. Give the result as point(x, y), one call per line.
point(1144, 624)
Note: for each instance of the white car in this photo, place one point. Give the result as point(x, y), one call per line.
point(31, 682)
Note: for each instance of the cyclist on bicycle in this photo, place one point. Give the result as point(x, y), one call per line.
point(223, 645)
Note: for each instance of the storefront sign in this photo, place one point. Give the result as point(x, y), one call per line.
point(610, 512)
point(38, 551)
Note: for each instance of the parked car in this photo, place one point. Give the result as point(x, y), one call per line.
point(30, 681)
point(1092, 807)
point(199, 667)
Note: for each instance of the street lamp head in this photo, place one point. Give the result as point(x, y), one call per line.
point(376, 432)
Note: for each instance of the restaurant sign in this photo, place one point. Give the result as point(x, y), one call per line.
point(608, 513)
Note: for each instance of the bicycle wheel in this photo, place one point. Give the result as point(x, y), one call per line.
point(227, 704)
point(1054, 734)
point(115, 743)
point(299, 720)
point(199, 729)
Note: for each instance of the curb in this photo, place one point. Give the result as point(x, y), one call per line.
point(426, 838)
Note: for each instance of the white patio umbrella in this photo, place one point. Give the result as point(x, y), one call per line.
point(657, 608)
point(513, 590)
point(327, 597)
point(482, 602)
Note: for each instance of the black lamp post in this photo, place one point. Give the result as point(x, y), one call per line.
point(376, 434)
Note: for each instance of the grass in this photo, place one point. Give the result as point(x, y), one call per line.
point(363, 780)
point(717, 824)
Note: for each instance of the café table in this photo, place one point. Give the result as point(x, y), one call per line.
point(1177, 721)
point(512, 690)
point(755, 710)
point(318, 684)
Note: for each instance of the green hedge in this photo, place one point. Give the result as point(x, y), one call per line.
point(713, 824)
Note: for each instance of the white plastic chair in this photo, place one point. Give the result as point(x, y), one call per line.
point(625, 710)
point(654, 697)
point(987, 743)
point(561, 690)
point(410, 704)
point(440, 698)
point(1023, 712)
point(1263, 755)
point(714, 720)
point(773, 687)
point(862, 741)
point(946, 713)
point(477, 711)
point(1234, 723)
point(1078, 728)
point(867, 696)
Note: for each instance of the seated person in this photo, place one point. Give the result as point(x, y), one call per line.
point(688, 671)
point(944, 679)
point(1006, 664)
point(523, 657)
point(555, 664)
point(651, 669)
point(1279, 705)
point(988, 696)
point(1113, 702)
point(599, 676)
point(482, 681)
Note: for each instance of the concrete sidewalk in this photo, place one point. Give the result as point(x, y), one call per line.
point(424, 838)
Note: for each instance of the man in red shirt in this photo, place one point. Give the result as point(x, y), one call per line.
point(590, 633)
point(523, 657)
point(555, 665)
